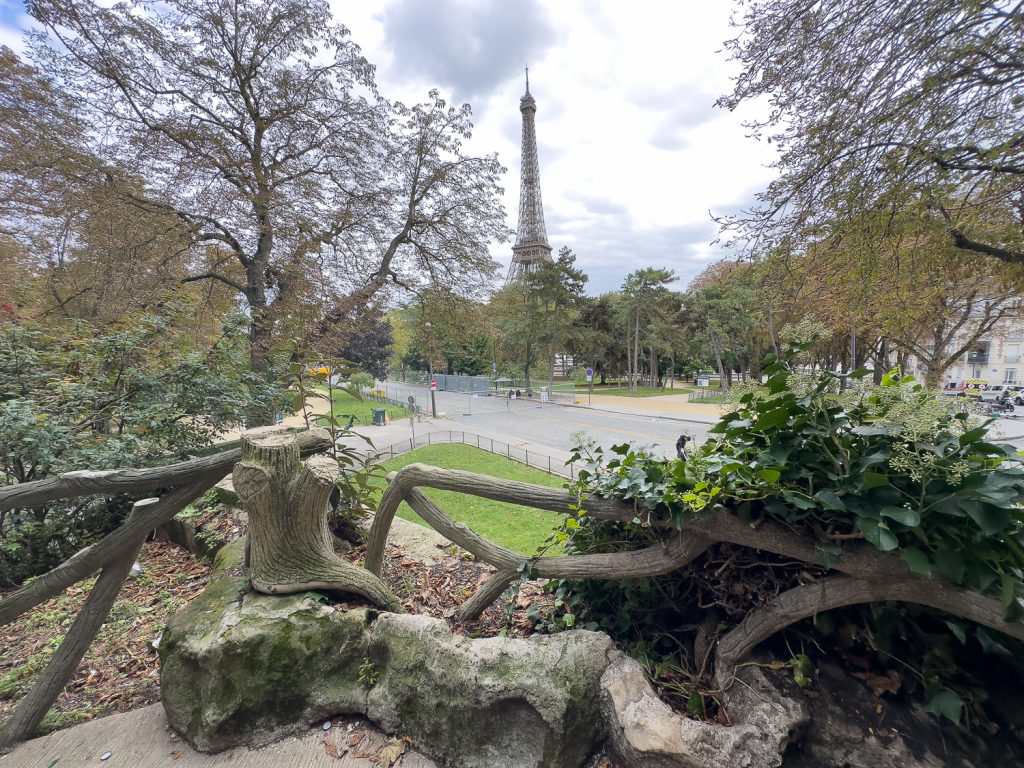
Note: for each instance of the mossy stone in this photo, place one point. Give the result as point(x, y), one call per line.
point(240, 668)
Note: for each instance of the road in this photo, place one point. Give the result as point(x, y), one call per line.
point(554, 425)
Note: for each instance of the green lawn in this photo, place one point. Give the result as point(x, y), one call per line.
point(522, 529)
point(640, 391)
point(346, 405)
point(581, 388)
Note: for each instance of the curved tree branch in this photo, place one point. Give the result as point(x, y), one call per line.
point(838, 591)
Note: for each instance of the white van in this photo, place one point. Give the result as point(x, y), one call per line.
point(993, 392)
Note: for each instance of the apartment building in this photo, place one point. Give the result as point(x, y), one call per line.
point(996, 357)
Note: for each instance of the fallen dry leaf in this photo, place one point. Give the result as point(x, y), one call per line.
point(177, 753)
point(356, 737)
point(888, 683)
point(390, 753)
point(332, 749)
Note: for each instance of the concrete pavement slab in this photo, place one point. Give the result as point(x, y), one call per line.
point(141, 738)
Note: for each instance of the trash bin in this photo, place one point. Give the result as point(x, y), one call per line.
point(378, 416)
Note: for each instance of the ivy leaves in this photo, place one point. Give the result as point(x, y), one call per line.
point(896, 465)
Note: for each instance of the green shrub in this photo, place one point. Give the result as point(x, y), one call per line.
point(32, 545)
point(74, 397)
point(834, 458)
point(361, 380)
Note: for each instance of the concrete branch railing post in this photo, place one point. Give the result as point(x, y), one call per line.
point(37, 702)
point(113, 555)
point(862, 574)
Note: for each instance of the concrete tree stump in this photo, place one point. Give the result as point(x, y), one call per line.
point(291, 548)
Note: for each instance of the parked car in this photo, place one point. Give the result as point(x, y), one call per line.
point(953, 388)
point(992, 392)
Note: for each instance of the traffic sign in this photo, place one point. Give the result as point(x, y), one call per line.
point(590, 374)
point(433, 385)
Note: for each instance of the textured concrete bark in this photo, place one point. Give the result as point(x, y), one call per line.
point(291, 548)
point(37, 702)
point(870, 575)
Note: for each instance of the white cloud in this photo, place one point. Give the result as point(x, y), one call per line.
point(633, 155)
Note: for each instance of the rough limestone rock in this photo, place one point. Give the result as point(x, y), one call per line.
point(423, 544)
point(780, 717)
point(229, 661)
point(241, 668)
point(489, 702)
point(645, 733)
point(226, 493)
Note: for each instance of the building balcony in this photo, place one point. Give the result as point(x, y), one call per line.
point(1011, 359)
point(977, 358)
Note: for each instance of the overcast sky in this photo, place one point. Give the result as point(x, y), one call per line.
point(634, 157)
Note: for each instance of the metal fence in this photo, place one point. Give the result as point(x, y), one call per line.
point(470, 402)
point(531, 457)
point(550, 391)
point(389, 398)
point(449, 382)
point(705, 393)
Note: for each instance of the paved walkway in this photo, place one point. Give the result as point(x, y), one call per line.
point(141, 738)
point(665, 406)
point(1008, 428)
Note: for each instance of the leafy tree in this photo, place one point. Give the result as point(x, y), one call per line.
point(722, 307)
point(72, 397)
point(534, 317)
point(594, 338)
point(910, 289)
point(890, 105)
point(401, 332)
point(257, 125)
point(643, 294)
point(456, 339)
point(667, 334)
point(81, 250)
point(368, 342)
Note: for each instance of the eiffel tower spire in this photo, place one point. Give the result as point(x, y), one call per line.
point(532, 238)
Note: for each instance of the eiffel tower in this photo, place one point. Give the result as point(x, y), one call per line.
point(532, 239)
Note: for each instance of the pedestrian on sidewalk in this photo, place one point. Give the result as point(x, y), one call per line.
point(681, 447)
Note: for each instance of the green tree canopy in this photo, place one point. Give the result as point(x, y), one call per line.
point(533, 317)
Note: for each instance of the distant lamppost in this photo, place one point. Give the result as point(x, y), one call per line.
point(430, 369)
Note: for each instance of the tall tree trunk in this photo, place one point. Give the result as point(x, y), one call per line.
point(771, 332)
point(933, 377)
point(636, 353)
point(717, 349)
point(629, 359)
point(882, 363)
point(902, 358)
point(654, 367)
